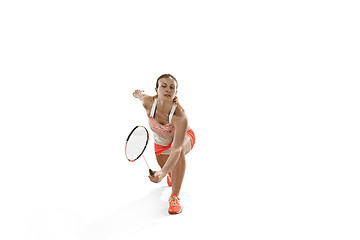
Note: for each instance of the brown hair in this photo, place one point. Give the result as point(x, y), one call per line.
point(166, 76)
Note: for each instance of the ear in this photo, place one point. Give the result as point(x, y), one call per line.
point(156, 90)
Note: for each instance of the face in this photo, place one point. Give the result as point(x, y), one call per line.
point(167, 88)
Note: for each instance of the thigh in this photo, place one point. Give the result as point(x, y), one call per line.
point(161, 159)
point(187, 144)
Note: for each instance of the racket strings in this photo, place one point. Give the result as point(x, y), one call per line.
point(136, 143)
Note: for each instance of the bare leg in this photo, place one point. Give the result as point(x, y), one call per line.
point(161, 159)
point(178, 173)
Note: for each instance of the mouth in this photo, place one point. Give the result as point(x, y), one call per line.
point(167, 95)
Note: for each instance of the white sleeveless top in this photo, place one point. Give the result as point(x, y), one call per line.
point(163, 134)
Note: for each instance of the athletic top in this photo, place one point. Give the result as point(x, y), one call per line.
point(163, 134)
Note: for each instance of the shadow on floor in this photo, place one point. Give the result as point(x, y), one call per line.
point(129, 219)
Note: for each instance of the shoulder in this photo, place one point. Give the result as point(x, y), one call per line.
point(179, 112)
point(148, 101)
point(180, 118)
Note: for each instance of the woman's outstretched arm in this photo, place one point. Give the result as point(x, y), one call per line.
point(145, 99)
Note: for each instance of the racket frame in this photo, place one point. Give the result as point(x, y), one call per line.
point(127, 139)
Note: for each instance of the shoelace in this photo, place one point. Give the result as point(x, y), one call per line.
point(174, 201)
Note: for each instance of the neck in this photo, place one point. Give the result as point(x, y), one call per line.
point(164, 106)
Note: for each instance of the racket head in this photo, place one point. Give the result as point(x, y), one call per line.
point(136, 143)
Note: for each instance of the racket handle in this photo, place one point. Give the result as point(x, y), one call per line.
point(151, 172)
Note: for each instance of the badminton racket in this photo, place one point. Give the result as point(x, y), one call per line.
point(136, 144)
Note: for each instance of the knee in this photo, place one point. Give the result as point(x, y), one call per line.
point(182, 153)
point(182, 156)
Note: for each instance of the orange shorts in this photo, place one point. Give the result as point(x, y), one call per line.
point(160, 149)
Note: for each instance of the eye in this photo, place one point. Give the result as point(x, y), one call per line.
point(172, 87)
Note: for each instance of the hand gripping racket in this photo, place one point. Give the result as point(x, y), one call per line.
point(136, 144)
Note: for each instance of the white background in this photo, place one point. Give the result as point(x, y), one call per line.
point(270, 89)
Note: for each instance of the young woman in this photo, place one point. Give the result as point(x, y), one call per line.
point(173, 136)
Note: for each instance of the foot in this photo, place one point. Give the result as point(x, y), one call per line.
point(169, 180)
point(174, 205)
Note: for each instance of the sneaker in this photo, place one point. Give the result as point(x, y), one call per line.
point(169, 180)
point(174, 205)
